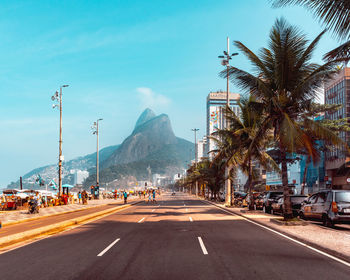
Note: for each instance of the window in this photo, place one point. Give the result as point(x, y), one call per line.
point(321, 197)
point(313, 199)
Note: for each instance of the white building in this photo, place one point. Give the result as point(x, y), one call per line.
point(216, 101)
point(80, 176)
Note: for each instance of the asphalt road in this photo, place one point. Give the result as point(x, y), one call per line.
point(176, 238)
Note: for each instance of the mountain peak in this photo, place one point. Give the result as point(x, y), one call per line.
point(146, 115)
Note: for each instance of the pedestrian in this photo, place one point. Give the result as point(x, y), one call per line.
point(154, 196)
point(84, 197)
point(79, 197)
point(125, 197)
point(149, 197)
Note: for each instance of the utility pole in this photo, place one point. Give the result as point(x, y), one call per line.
point(60, 156)
point(95, 127)
point(195, 154)
point(226, 62)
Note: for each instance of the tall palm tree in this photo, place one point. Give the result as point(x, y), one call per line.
point(335, 15)
point(242, 136)
point(286, 82)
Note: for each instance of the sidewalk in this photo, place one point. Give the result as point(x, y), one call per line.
point(22, 230)
point(17, 216)
point(333, 241)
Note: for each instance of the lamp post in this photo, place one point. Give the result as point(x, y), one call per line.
point(58, 97)
point(226, 62)
point(195, 154)
point(95, 131)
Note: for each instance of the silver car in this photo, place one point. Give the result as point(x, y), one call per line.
point(329, 206)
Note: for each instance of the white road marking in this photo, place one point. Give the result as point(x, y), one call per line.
point(186, 209)
point(191, 219)
point(290, 238)
point(204, 250)
point(140, 221)
point(153, 210)
point(28, 242)
point(109, 247)
point(184, 204)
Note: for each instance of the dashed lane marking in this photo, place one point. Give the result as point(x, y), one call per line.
point(109, 247)
point(204, 250)
point(191, 220)
point(153, 210)
point(140, 221)
point(289, 238)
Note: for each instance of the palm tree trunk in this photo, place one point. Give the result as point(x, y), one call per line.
point(305, 173)
point(250, 185)
point(287, 213)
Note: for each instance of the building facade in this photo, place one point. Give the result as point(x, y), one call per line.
point(216, 101)
point(337, 160)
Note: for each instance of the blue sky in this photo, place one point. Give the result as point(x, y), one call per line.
point(118, 57)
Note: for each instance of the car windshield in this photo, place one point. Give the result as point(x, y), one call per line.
point(298, 199)
point(274, 195)
point(342, 197)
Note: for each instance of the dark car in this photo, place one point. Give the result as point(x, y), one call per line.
point(239, 198)
point(259, 201)
point(296, 200)
point(269, 198)
point(329, 206)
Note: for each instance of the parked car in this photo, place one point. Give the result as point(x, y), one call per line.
point(239, 198)
point(329, 206)
point(269, 198)
point(259, 201)
point(296, 200)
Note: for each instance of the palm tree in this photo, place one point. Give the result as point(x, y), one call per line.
point(210, 173)
point(335, 15)
point(285, 81)
point(245, 148)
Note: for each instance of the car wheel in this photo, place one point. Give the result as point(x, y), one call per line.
point(327, 222)
point(266, 209)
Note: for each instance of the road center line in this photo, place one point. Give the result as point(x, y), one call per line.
point(191, 219)
point(204, 250)
point(109, 247)
point(140, 221)
point(287, 237)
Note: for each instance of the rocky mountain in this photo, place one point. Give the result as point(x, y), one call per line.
point(49, 172)
point(151, 143)
point(150, 135)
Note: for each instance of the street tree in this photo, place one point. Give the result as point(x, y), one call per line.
point(286, 82)
point(246, 144)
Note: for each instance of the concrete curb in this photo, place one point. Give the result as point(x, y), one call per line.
point(307, 242)
point(51, 215)
point(57, 227)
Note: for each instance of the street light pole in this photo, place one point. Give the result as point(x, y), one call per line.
point(60, 156)
point(97, 157)
point(226, 62)
point(195, 154)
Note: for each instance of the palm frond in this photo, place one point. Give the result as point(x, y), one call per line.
point(334, 14)
point(340, 53)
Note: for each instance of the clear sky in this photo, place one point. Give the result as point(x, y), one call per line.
point(118, 57)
